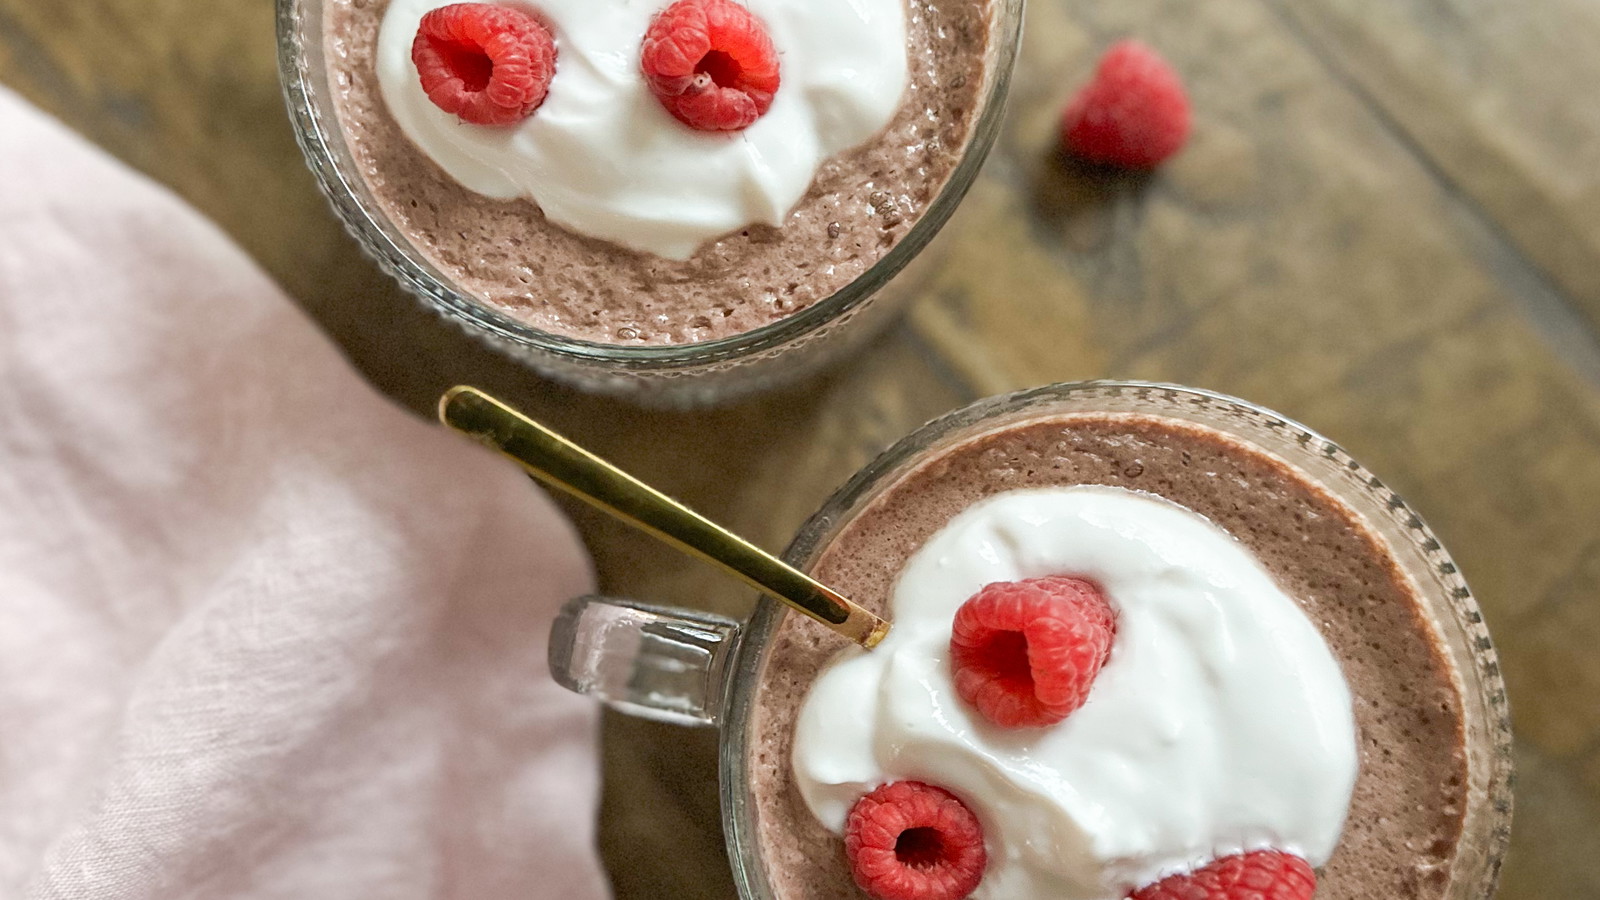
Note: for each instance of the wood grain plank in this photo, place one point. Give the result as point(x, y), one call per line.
point(1497, 97)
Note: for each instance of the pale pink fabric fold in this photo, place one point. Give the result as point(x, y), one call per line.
point(262, 634)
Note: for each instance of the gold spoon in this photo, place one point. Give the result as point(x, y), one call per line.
point(562, 464)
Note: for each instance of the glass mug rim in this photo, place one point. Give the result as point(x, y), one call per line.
point(1489, 811)
point(322, 142)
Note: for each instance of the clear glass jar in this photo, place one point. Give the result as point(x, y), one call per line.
point(694, 668)
point(683, 374)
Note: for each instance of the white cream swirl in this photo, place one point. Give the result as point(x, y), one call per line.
point(602, 158)
point(1221, 722)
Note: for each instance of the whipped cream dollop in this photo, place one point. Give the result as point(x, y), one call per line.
point(602, 158)
point(1221, 722)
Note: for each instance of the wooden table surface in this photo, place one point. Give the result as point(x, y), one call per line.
point(1387, 226)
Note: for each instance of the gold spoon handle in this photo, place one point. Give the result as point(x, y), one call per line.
point(562, 464)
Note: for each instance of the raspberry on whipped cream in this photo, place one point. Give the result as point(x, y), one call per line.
point(1025, 653)
point(487, 64)
point(711, 63)
point(604, 157)
point(1257, 875)
point(914, 841)
point(1220, 723)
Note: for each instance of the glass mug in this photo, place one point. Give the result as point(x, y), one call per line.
point(681, 374)
point(694, 668)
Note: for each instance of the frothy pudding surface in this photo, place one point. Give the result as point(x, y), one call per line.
point(509, 256)
point(1406, 812)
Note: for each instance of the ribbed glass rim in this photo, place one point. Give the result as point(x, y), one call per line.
point(1484, 694)
point(317, 130)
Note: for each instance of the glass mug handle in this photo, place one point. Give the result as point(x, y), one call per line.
point(648, 661)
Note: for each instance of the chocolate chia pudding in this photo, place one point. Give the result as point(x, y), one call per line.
point(1406, 815)
point(506, 254)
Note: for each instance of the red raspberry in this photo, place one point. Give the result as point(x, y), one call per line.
point(912, 841)
point(1025, 653)
point(487, 64)
point(1133, 114)
point(1257, 875)
point(711, 63)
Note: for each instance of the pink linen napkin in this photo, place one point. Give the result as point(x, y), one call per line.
point(262, 634)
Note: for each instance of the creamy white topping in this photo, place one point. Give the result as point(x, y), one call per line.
point(1221, 722)
point(602, 158)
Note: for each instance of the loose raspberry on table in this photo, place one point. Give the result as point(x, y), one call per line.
point(913, 841)
point(1026, 653)
point(487, 64)
point(1257, 875)
point(711, 63)
point(1134, 113)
